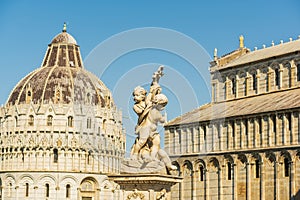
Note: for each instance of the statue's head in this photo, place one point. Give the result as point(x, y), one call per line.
point(160, 99)
point(139, 94)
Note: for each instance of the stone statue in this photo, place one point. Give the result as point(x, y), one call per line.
point(146, 150)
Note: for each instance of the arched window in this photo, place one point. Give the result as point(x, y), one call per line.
point(232, 124)
point(233, 86)
point(254, 82)
point(9, 193)
point(89, 158)
point(298, 72)
point(47, 190)
point(289, 120)
point(204, 132)
point(31, 120)
point(260, 127)
point(55, 155)
point(88, 98)
point(286, 167)
point(274, 123)
point(246, 126)
point(201, 173)
point(214, 88)
point(70, 121)
point(277, 77)
point(26, 190)
point(257, 169)
point(49, 120)
point(228, 171)
point(89, 123)
point(68, 191)
point(104, 124)
point(28, 95)
point(16, 121)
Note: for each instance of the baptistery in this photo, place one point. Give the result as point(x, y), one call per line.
point(61, 133)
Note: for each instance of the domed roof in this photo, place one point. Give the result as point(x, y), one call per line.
point(61, 79)
point(64, 37)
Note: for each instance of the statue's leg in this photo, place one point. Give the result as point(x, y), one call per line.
point(137, 147)
point(132, 148)
point(155, 146)
point(139, 142)
point(165, 158)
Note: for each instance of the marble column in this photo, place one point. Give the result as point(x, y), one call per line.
point(234, 169)
point(293, 77)
point(276, 195)
point(220, 184)
point(206, 193)
point(221, 137)
point(292, 179)
point(280, 76)
point(262, 181)
point(193, 177)
point(248, 180)
point(237, 86)
point(257, 81)
point(247, 82)
point(227, 88)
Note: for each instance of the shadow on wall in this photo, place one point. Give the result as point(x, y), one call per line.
point(297, 196)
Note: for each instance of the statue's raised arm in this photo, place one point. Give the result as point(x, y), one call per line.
point(157, 75)
point(155, 87)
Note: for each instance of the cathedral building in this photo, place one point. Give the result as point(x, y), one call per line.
point(245, 143)
point(60, 131)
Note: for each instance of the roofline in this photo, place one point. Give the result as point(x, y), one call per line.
point(256, 61)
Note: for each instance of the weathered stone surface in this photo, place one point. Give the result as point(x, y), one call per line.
point(139, 166)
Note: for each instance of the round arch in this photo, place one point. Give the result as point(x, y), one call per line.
point(88, 188)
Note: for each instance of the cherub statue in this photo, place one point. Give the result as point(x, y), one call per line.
point(148, 108)
point(142, 106)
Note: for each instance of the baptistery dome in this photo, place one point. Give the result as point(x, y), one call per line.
point(60, 131)
point(61, 79)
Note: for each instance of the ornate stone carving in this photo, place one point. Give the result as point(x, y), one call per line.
point(162, 195)
point(135, 195)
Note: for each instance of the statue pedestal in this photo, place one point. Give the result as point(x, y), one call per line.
point(145, 186)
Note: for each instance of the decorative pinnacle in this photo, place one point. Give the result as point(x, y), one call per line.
point(215, 53)
point(241, 41)
point(65, 27)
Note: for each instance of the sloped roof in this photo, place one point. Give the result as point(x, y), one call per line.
point(268, 102)
point(261, 54)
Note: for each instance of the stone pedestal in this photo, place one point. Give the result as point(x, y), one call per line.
point(145, 186)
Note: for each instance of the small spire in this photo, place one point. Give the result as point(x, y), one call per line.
point(65, 27)
point(215, 53)
point(241, 41)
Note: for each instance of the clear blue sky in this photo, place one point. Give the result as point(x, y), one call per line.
point(27, 27)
